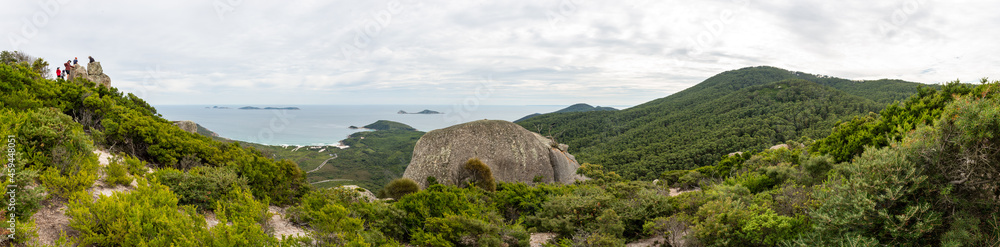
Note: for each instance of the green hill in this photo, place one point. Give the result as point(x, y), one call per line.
point(744, 109)
point(372, 159)
point(388, 125)
point(581, 107)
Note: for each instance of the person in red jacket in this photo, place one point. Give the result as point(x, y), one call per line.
point(68, 66)
point(58, 73)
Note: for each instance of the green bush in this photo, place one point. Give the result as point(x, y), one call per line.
point(331, 221)
point(567, 214)
point(401, 187)
point(673, 229)
point(190, 189)
point(517, 200)
point(898, 211)
point(78, 175)
point(116, 173)
point(49, 138)
point(597, 174)
point(201, 187)
point(690, 180)
point(753, 181)
point(338, 215)
point(460, 230)
point(135, 166)
point(850, 138)
point(150, 216)
point(27, 193)
point(817, 167)
point(964, 231)
point(240, 207)
point(731, 163)
point(708, 171)
point(727, 222)
point(482, 176)
point(670, 178)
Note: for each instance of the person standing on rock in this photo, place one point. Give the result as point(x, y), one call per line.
point(91, 59)
point(68, 66)
point(74, 61)
point(58, 73)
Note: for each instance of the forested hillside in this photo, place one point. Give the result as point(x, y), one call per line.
point(581, 107)
point(745, 109)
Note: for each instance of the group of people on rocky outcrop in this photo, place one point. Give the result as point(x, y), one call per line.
point(70, 65)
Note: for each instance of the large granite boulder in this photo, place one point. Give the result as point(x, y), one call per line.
point(187, 125)
point(93, 72)
point(513, 153)
point(95, 68)
point(78, 72)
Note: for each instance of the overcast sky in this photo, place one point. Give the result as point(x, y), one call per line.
point(539, 52)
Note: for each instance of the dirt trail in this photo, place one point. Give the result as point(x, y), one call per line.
point(323, 164)
point(332, 180)
point(50, 221)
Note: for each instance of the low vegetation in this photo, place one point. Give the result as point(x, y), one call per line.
point(932, 182)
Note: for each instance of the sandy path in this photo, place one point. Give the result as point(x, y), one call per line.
point(332, 180)
point(323, 164)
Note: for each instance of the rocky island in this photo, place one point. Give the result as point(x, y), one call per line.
point(268, 108)
point(421, 112)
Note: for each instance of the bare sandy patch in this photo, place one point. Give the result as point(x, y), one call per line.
point(538, 239)
point(50, 222)
point(281, 225)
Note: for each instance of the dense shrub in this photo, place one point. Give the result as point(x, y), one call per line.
point(728, 222)
point(670, 178)
point(150, 216)
point(817, 167)
point(135, 166)
point(428, 218)
point(850, 138)
point(690, 180)
point(340, 215)
point(517, 200)
point(461, 230)
point(481, 174)
point(201, 187)
point(28, 193)
point(400, 187)
point(673, 229)
point(567, 214)
point(116, 173)
point(597, 174)
point(78, 174)
point(576, 211)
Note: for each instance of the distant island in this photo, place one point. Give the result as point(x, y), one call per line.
point(421, 112)
point(217, 107)
point(268, 108)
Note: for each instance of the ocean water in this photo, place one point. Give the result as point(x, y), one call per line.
point(328, 124)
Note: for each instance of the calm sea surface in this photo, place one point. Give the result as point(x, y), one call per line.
point(328, 124)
